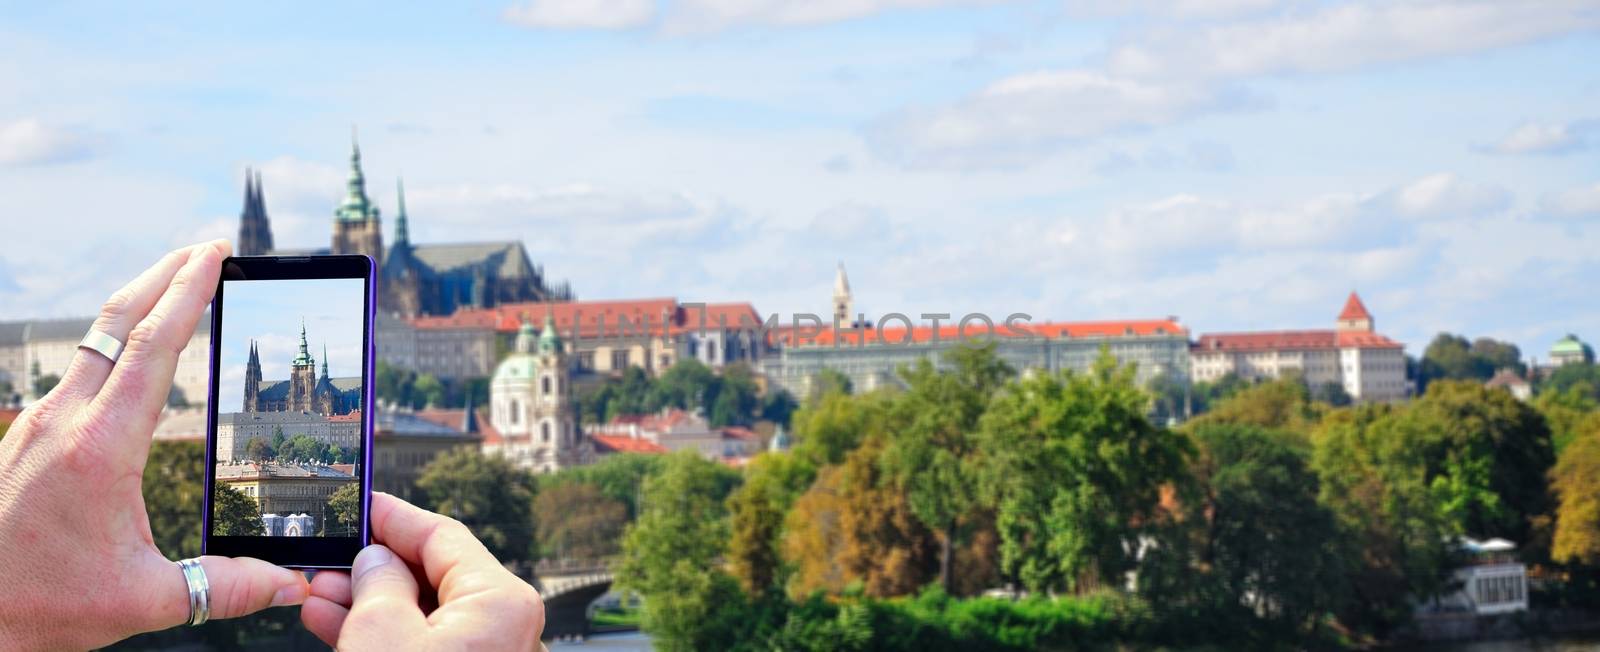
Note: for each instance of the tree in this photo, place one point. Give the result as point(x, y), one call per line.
point(1582, 377)
point(827, 429)
point(932, 450)
point(487, 494)
point(619, 477)
point(852, 527)
point(173, 485)
point(686, 385)
point(778, 406)
point(258, 449)
point(1075, 471)
point(580, 522)
point(737, 399)
point(773, 482)
point(670, 553)
point(1488, 453)
point(342, 515)
point(1374, 478)
point(1566, 412)
point(43, 384)
point(1453, 357)
point(303, 448)
point(1333, 393)
point(1269, 548)
point(1574, 479)
point(1284, 403)
point(831, 381)
point(427, 391)
point(234, 514)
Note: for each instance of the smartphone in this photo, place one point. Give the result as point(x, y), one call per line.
point(289, 423)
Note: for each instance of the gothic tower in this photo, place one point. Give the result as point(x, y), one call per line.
point(324, 401)
point(252, 381)
point(402, 285)
point(842, 302)
point(356, 228)
point(302, 377)
point(255, 230)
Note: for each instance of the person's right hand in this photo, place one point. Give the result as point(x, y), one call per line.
point(379, 606)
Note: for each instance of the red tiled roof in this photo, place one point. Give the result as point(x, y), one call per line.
point(793, 335)
point(352, 416)
point(1303, 340)
point(491, 435)
point(739, 432)
point(1354, 309)
point(593, 318)
point(448, 417)
point(720, 315)
point(626, 444)
point(657, 422)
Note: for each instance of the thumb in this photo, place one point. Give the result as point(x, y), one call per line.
point(238, 586)
point(384, 601)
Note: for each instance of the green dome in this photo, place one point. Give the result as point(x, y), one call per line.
point(1569, 345)
point(549, 341)
point(517, 365)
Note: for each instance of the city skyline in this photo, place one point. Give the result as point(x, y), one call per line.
point(1014, 157)
point(269, 314)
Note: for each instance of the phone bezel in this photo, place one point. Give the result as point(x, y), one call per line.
point(294, 552)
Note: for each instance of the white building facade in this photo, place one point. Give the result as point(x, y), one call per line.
point(530, 405)
point(1368, 366)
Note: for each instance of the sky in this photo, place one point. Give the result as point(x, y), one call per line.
point(270, 313)
point(1239, 164)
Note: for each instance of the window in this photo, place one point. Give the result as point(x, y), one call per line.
point(619, 360)
point(544, 386)
point(544, 432)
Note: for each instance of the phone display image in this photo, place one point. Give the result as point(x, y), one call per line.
point(289, 452)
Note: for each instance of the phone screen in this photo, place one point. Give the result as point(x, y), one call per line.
point(289, 446)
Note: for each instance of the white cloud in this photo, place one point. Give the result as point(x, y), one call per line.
point(1020, 119)
point(1347, 36)
point(696, 17)
point(1539, 138)
point(1583, 201)
point(1179, 8)
point(30, 141)
point(582, 14)
point(1446, 195)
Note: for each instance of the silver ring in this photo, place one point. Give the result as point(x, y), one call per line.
point(103, 344)
point(199, 590)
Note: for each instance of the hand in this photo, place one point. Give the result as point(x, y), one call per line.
point(79, 567)
point(482, 606)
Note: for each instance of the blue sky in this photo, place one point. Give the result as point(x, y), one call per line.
point(1241, 164)
point(270, 313)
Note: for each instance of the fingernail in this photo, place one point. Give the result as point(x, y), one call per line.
point(371, 557)
point(289, 595)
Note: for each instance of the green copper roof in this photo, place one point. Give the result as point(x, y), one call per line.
point(1569, 345)
point(549, 341)
point(356, 207)
point(304, 357)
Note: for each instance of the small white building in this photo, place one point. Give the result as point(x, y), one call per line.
point(1492, 581)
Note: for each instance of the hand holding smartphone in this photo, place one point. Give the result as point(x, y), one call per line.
point(289, 429)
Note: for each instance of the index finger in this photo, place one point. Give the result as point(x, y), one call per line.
point(137, 388)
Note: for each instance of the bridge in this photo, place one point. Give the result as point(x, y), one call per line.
point(567, 587)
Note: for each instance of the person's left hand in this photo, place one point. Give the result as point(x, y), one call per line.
point(79, 567)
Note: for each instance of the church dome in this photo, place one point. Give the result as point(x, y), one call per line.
point(522, 363)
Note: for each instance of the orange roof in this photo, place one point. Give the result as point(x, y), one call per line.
point(826, 336)
point(719, 315)
point(352, 416)
point(1354, 309)
point(1290, 340)
point(597, 318)
point(657, 422)
point(739, 432)
point(625, 444)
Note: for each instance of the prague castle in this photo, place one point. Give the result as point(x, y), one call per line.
point(414, 279)
point(304, 391)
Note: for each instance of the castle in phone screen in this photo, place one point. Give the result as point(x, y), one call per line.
point(288, 457)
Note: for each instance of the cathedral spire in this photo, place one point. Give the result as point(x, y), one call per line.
point(304, 359)
point(324, 359)
point(255, 230)
point(402, 234)
point(356, 207)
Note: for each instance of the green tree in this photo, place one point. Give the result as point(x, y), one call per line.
point(579, 522)
point(1333, 393)
point(487, 494)
point(618, 477)
point(342, 515)
point(830, 381)
point(1488, 454)
point(737, 399)
point(1284, 403)
point(827, 429)
point(1270, 549)
point(1373, 476)
point(687, 385)
point(772, 484)
point(258, 449)
point(173, 485)
point(234, 514)
point(1453, 357)
point(932, 452)
point(43, 384)
point(778, 406)
point(1580, 377)
point(1566, 412)
point(670, 558)
point(1076, 470)
point(427, 391)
